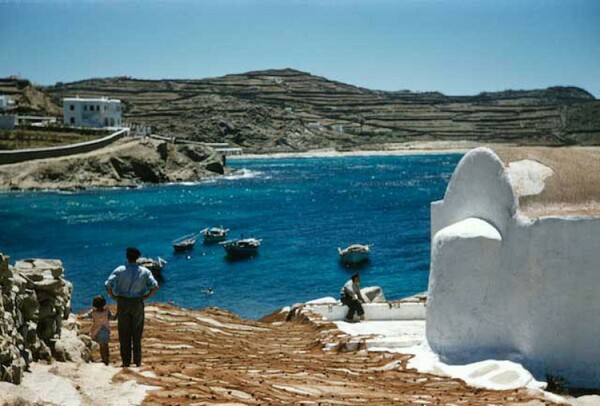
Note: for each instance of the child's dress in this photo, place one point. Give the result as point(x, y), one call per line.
point(100, 325)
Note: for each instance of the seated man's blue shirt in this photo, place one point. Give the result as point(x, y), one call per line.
point(131, 281)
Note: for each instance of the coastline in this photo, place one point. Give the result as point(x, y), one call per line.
point(390, 149)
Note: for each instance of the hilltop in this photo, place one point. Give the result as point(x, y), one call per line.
point(288, 110)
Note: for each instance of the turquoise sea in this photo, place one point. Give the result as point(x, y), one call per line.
point(302, 208)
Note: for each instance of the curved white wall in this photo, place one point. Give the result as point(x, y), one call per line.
point(478, 188)
point(502, 286)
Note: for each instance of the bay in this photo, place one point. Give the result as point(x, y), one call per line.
point(302, 208)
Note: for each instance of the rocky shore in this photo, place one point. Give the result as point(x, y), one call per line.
point(127, 163)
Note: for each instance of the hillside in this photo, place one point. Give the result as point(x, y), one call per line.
point(28, 98)
point(289, 110)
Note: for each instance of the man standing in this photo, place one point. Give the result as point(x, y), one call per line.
point(130, 285)
point(351, 297)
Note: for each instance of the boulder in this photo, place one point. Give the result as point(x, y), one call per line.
point(70, 347)
point(216, 167)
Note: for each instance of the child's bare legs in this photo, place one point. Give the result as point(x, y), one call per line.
point(104, 352)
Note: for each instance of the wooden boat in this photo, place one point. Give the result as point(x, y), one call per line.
point(185, 243)
point(214, 234)
point(354, 254)
point(153, 265)
point(244, 248)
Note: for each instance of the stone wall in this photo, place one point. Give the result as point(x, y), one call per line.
point(35, 322)
point(22, 155)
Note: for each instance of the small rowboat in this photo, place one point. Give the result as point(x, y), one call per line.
point(214, 234)
point(185, 243)
point(153, 265)
point(354, 254)
point(244, 248)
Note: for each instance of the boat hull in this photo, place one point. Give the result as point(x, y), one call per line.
point(183, 248)
point(241, 248)
point(241, 252)
point(212, 239)
point(354, 257)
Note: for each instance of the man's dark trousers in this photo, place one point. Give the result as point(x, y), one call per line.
point(354, 307)
point(131, 327)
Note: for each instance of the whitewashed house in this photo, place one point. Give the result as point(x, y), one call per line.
point(96, 113)
point(515, 262)
point(5, 102)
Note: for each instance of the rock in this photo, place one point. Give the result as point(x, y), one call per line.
point(71, 348)
point(373, 294)
point(34, 300)
point(30, 305)
point(41, 351)
point(53, 285)
point(216, 167)
point(4, 269)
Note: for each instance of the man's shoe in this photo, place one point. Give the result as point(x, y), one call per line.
point(347, 320)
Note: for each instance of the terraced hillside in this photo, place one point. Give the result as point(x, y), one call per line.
point(28, 98)
point(288, 110)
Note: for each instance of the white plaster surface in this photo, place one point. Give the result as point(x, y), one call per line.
point(373, 311)
point(408, 337)
point(73, 384)
point(528, 177)
point(530, 296)
point(479, 188)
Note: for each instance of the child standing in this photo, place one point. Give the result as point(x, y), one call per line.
point(101, 325)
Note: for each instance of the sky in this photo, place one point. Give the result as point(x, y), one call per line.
point(458, 47)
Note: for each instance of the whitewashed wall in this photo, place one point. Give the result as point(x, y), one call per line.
point(503, 286)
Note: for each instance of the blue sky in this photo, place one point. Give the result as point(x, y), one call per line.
point(457, 47)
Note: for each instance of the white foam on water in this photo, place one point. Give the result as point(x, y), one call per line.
point(243, 173)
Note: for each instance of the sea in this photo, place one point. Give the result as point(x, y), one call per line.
point(303, 209)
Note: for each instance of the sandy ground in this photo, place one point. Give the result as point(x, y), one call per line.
point(408, 148)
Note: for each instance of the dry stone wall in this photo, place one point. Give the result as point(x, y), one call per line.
point(35, 322)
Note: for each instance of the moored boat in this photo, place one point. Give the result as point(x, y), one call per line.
point(185, 243)
point(354, 254)
point(214, 234)
point(244, 248)
point(153, 265)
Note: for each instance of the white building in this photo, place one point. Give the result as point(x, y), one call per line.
point(98, 113)
point(5, 102)
point(515, 262)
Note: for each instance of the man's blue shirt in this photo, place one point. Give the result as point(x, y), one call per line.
point(131, 281)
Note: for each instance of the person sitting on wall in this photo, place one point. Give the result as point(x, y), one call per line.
point(350, 296)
